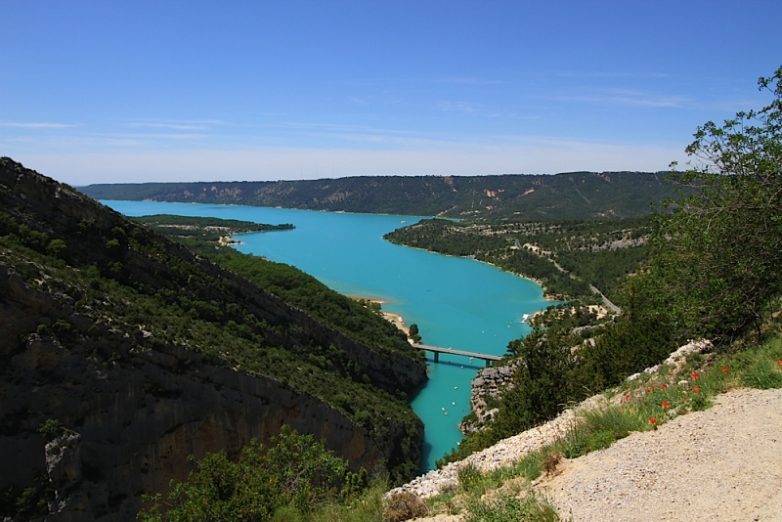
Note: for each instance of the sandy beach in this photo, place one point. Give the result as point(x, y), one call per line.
point(396, 319)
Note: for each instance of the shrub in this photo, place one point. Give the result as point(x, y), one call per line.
point(512, 509)
point(471, 479)
point(403, 506)
point(51, 429)
point(283, 481)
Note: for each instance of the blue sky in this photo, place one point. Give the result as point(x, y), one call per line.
point(116, 91)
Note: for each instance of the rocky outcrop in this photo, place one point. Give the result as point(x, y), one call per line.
point(487, 386)
point(65, 474)
point(139, 413)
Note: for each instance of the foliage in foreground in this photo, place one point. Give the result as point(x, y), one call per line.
point(511, 508)
point(292, 474)
point(713, 273)
point(718, 256)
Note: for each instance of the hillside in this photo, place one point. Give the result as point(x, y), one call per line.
point(578, 195)
point(144, 353)
point(569, 258)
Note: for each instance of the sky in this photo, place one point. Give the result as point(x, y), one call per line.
point(153, 90)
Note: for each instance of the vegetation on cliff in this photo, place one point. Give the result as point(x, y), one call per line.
point(288, 477)
point(83, 287)
point(350, 317)
point(565, 257)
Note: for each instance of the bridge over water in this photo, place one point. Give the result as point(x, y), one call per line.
point(437, 350)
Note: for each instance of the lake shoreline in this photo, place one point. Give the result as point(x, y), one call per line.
point(461, 304)
point(393, 318)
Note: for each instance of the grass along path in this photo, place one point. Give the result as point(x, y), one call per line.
point(714, 442)
point(724, 463)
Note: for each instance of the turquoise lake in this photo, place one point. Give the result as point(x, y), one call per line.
point(456, 302)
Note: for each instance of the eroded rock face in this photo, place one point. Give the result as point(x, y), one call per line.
point(64, 472)
point(488, 385)
point(139, 414)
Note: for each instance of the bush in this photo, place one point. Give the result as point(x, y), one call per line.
point(403, 506)
point(471, 479)
point(282, 481)
point(512, 509)
point(51, 429)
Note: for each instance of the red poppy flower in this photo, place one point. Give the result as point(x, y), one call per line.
point(663, 386)
point(779, 362)
point(696, 389)
point(626, 398)
point(724, 369)
point(695, 376)
point(666, 405)
point(652, 420)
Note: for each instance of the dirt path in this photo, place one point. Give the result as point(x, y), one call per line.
point(724, 464)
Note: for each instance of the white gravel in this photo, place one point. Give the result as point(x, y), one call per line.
point(722, 464)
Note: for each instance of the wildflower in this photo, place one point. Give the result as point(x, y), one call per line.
point(652, 420)
point(663, 386)
point(779, 362)
point(724, 369)
point(666, 405)
point(626, 398)
point(696, 389)
point(695, 376)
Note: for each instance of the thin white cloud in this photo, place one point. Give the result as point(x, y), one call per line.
point(176, 124)
point(171, 126)
point(463, 107)
point(638, 75)
point(360, 100)
point(36, 125)
point(628, 97)
point(468, 80)
point(332, 129)
point(154, 136)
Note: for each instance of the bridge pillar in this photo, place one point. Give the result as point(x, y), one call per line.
point(436, 356)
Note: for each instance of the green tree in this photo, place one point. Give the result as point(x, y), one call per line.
point(719, 254)
point(294, 471)
point(414, 333)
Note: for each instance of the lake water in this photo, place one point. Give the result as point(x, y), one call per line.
point(456, 302)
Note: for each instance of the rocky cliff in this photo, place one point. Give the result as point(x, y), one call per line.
point(142, 354)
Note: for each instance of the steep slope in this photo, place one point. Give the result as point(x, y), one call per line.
point(579, 195)
point(145, 353)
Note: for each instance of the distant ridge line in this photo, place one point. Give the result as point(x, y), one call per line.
point(514, 197)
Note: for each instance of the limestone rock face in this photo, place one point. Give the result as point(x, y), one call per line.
point(138, 415)
point(487, 385)
point(64, 471)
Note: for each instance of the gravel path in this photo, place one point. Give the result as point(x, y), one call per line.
point(724, 464)
point(504, 453)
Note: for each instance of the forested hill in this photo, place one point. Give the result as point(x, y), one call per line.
point(129, 352)
point(576, 195)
